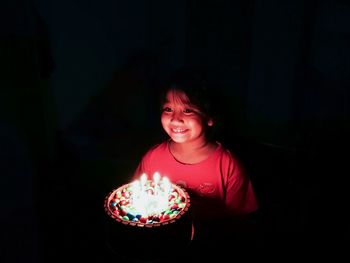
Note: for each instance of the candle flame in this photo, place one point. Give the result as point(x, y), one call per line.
point(143, 179)
point(156, 178)
point(148, 201)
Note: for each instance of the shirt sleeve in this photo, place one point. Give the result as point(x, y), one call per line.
point(240, 197)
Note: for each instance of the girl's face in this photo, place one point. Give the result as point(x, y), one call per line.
point(183, 121)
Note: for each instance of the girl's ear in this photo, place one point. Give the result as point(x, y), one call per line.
point(210, 122)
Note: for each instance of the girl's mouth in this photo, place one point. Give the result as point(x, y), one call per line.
point(178, 130)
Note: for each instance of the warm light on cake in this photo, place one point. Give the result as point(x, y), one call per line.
point(149, 197)
point(146, 202)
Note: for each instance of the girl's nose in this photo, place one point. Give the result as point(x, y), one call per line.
point(177, 116)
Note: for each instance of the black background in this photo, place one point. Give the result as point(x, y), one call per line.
point(78, 109)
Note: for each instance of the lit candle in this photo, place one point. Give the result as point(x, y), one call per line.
point(156, 178)
point(150, 198)
point(135, 189)
point(166, 185)
point(143, 181)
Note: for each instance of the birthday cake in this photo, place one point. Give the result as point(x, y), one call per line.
point(148, 212)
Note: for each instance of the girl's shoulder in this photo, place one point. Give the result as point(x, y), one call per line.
point(160, 146)
point(157, 148)
point(226, 153)
point(222, 149)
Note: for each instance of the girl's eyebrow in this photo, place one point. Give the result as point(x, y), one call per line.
point(189, 105)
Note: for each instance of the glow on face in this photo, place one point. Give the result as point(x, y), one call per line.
point(181, 120)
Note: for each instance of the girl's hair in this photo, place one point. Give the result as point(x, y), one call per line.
point(196, 84)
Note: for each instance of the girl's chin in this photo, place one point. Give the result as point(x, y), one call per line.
point(178, 139)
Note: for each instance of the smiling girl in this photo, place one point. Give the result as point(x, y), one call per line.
point(192, 158)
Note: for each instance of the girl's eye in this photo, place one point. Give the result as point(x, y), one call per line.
point(188, 111)
point(167, 109)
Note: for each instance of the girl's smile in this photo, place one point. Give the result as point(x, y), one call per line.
point(181, 120)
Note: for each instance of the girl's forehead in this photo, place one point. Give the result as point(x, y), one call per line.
point(177, 96)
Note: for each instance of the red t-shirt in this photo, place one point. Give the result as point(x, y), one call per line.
point(215, 185)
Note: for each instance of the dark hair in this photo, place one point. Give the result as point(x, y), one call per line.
point(199, 88)
point(194, 82)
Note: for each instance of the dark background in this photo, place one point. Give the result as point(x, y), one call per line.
point(78, 109)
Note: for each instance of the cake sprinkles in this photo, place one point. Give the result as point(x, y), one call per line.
point(148, 203)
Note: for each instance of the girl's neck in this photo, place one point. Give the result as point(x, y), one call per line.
point(188, 147)
point(190, 153)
